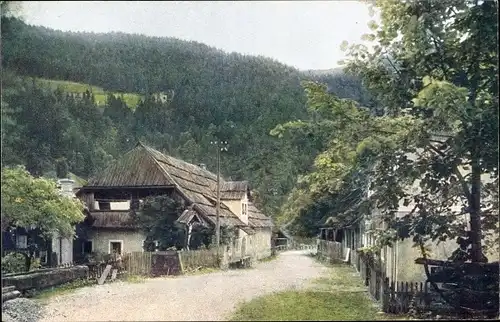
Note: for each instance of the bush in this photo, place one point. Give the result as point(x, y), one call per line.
point(35, 264)
point(13, 263)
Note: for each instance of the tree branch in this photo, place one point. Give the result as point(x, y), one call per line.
point(460, 177)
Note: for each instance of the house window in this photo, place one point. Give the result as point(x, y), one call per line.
point(120, 205)
point(87, 247)
point(244, 209)
point(21, 241)
point(104, 205)
point(115, 247)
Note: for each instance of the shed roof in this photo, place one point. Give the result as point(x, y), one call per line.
point(112, 219)
point(349, 217)
point(234, 190)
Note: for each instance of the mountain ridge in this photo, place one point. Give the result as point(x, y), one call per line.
point(239, 98)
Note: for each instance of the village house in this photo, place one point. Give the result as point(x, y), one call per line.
point(281, 238)
point(52, 252)
point(398, 262)
point(112, 195)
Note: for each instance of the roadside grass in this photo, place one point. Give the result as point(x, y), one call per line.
point(134, 279)
point(201, 271)
point(75, 285)
point(306, 305)
point(61, 289)
point(339, 295)
point(269, 259)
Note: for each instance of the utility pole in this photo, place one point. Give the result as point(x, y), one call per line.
point(220, 146)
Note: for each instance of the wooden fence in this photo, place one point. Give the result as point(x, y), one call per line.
point(398, 296)
point(330, 250)
point(171, 262)
point(196, 259)
point(282, 248)
point(137, 263)
point(394, 297)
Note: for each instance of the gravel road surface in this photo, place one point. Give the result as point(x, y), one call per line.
point(209, 297)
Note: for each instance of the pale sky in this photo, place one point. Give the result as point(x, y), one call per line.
point(303, 34)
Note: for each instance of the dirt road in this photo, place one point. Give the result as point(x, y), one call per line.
point(186, 298)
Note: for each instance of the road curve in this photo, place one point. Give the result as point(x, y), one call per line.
point(209, 297)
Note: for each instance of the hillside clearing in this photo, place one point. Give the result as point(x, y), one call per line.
point(100, 95)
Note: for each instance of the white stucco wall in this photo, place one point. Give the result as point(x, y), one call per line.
point(132, 240)
point(400, 259)
point(243, 243)
point(63, 249)
point(236, 207)
point(260, 243)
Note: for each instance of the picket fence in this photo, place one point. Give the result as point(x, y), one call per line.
point(394, 297)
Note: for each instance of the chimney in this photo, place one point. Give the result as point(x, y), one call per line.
point(66, 186)
point(203, 166)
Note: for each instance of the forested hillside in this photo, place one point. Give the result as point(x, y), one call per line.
point(211, 94)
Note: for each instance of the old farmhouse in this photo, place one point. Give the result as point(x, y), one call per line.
point(112, 196)
point(355, 230)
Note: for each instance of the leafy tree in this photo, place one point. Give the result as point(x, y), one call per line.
point(157, 219)
point(434, 76)
point(205, 236)
point(352, 138)
point(29, 201)
point(438, 63)
point(201, 236)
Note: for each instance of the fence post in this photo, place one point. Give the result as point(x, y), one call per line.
point(179, 258)
point(373, 282)
point(385, 295)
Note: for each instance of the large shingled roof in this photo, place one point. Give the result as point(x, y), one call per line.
point(144, 166)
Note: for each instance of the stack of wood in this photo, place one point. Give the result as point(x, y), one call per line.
point(9, 293)
point(472, 286)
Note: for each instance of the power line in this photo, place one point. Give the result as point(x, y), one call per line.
point(220, 146)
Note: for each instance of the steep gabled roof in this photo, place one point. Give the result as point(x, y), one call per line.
point(256, 219)
point(188, 215)
point(135, 168)
point(144, 166)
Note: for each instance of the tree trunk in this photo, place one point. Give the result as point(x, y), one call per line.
point(475, 208)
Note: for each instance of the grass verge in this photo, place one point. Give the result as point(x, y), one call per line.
point(306, 305)
point(134, 279)
point(268, 259)
point(339, 295)
point(77, 284)
point(61, 289)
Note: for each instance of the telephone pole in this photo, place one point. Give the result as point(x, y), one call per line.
point(220, 146)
